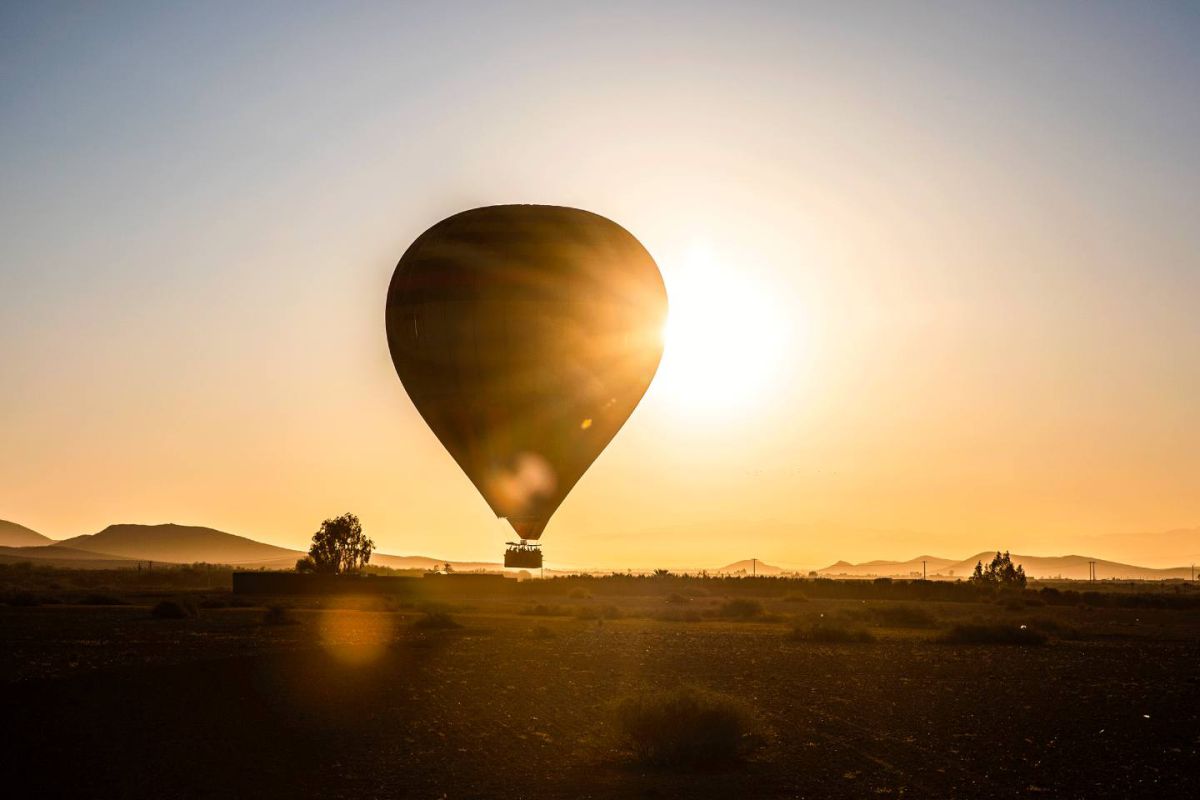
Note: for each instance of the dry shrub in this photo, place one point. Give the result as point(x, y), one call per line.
point(542, 610)
point(278, 615)
point(827, 631)
point(25, 600)
point(231, 601)
point(740, 609)
point(686, 727)
point(181, 608)
point(97, 599)
point(598, 612)
point(992, 633)
point(436, 620)
point(1053, 627)
point(902, 615)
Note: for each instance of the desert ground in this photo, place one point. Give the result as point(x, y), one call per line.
point(513, 693)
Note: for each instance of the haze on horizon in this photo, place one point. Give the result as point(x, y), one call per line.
point(933, 270)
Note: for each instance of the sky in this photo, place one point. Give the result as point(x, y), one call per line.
point(934, 269)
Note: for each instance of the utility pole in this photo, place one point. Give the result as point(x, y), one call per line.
point(754, 567)
point(924, 572)
point(1092, 571)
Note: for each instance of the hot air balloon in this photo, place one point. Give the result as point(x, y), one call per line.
point(525, 335)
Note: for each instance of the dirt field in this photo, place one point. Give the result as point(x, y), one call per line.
point(107, 701)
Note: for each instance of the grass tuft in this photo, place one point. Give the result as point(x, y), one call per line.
point(174, 609)
point(25, 600)
point(278, 615)
point(902, 615)
point(97, 599)
point(992, 633)
point(686, 727)
point(436, 620)
point(543, 610)
point(598, 612)
point(827, 631)
point(740, 609)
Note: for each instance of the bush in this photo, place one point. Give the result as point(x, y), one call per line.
point(542, 632)
point(25, 599)
point(100, 600)
point(992, 633)
point(902, 616)
point(580, 594)
point(675, 598)
point(1055, 628)
point(740, 609)
point(830, 632)
point(541, 610)
point(278, 615)
point(229, 601)
point(685, 727)
point(795, 597)
point(679, 616)
point(598, 612)
point(174, 609)
point(436, 620)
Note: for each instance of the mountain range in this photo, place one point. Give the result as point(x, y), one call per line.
point(124, 545)
point(1070, 567)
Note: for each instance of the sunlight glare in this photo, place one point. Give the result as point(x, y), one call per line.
point(725, 337)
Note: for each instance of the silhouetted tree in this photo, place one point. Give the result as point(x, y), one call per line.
point(1001, 572)
point(337, 548)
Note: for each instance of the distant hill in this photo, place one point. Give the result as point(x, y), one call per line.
point(117, 545)
point(892, 569)
point(749, 566)
point(182, 544)
point(1160, 548)
point(1074, 567)
point(14, 535)
point(1070, 567)
point(65, 557)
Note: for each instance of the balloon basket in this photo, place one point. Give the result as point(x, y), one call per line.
point(523, 555)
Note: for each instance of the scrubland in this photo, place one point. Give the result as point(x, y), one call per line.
point(600, 687)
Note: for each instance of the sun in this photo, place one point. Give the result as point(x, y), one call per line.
point(725, 337)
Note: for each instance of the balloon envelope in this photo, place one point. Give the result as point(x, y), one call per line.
point(525, 336)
